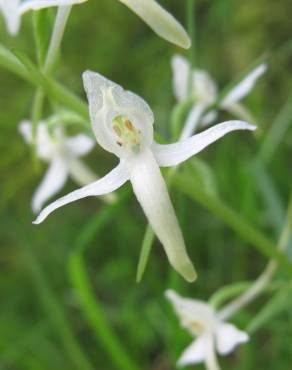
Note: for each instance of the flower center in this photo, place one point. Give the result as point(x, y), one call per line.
point(127, 135)
point(197, 327)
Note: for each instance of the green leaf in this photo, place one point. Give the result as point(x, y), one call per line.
point(277, 132)
point(201, 174)
point(280, 302)
point(53, 89)
point(92, 308)
point(233, 219)
point(10, 62)
point(229, 291)
point(42, 32)
point(145, 252)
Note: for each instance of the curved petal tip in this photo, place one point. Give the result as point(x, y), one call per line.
point(188, 272)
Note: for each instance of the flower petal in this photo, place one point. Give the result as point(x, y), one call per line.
point(47, 149)
point(51, 184)
point(80, 144)
point(204, 87)
point(228, 337)
point(180, 71)
point(40, 4)
point(112, 181)
point(174, 154)
point(24, 128)
point(160, 20)
point(83, 175)
point(192, 121)
point(195, 352)
point(244, 87)
point(209, 118)
point(196, 316)
point(151, 192)
point(80, 173)
point(11, 14)
point(108, 100)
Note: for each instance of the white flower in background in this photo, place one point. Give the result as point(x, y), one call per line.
point(62, 153)
point(159, 19)
point(10, 11)
point(204, 92)
point(13, 10)
point(123, 125)
point(212, 334)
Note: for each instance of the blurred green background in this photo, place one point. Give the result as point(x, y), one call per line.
point(59, 306)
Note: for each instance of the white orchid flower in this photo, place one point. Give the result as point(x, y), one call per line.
point(63, 155)
point(157, 18)
point(123, 125)
point(204, 92)
point(212, 334)
point(13, 10)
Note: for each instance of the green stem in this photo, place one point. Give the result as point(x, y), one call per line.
point(21, 66)
point(57, 36)
point(37, 112)
point(56, 39)
point(92, 309)
point(247, 231)
point(190, 10)
point(262, 281)
point(229, 291)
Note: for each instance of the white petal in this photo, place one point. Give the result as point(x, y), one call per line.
point(209, 118)
point(83, 175)
point(11, 14)
point(151, 192)
point(228, 337)
point(204, 87)
point(174, 154)
point(195, 353)
point(80, 173)
point(46, 147)
point(195, 315)
point(51, 184)
point(160, 20)
point(239, 111)
point(24, 128)
point(108, 100)
point(180, 71)
point(40, 4)
point(192, 121)
point(80, 144)
point(244, 87)
point(112, 181)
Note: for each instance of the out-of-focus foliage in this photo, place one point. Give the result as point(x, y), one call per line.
point(42, 325)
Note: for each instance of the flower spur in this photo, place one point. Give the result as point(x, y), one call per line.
point(123, 125)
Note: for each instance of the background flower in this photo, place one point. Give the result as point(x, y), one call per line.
point(212, 334)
